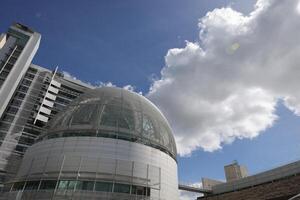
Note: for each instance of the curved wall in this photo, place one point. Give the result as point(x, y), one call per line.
point(102, 159)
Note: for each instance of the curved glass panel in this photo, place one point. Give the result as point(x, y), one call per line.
point(121, 113)
point(78, 185)
point(84, 114)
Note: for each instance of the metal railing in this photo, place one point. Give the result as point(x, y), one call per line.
point(193, 189)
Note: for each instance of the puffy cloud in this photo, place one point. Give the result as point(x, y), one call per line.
point(226, 85)
point(129, 87)
point(68, 75)
point(110, 84)
point(132, 88)
point(103, 84)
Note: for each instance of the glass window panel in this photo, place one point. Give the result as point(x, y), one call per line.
point(85, 185)
point(148, 127)
point(71, 185)
point(126, 120)
point(103, 186)
point(110, 115)
point(84, 114)
point(63, 185)
point(18, 186)
point(133, 189)
point(48, 185)
point(140, 190)
point(165, 135)
point(32, 185)
point(121, 188)
point(79, 185)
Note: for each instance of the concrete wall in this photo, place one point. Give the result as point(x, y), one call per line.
point(102, 159)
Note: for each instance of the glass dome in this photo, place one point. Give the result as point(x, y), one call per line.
point(115, 113)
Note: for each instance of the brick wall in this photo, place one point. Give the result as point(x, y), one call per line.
point(277, 190)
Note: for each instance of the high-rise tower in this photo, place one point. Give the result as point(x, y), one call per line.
point(235, 171)
point(30, 96)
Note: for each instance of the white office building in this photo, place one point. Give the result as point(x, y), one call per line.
point(30, 96)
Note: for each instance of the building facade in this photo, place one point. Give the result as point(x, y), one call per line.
point(235, 171)
point(281, 183)
point(30, 96)
point(109, 143)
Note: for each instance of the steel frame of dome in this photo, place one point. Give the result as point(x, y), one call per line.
point(114, 113)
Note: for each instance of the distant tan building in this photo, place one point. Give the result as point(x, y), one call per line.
point(208, 183)
point(235, 171)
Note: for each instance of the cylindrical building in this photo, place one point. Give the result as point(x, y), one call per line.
point(109, 143)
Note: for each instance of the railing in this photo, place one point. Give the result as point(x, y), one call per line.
point(193, 189)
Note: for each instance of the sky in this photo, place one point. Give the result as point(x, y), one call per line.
point(225, 73)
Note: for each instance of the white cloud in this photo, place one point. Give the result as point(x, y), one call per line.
point(105, 84)
point(110, 84)
point(184, 195)
point(129, 87)
point(226, 85)
point(68, 75)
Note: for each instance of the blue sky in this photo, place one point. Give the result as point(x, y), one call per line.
point(109, 38)
point(125, 42)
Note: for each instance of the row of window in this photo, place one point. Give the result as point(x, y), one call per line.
point(82, 185)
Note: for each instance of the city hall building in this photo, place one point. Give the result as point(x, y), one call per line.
point(109, 143)
point(64, 139)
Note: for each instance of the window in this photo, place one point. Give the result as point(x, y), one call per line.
point(82, 185)
point(84, 114)
point(32, 185)
point(133, 189)
point(63, 185)
point(26, 140)
point(48, 185)
point(71, 185)
point(85, 185)
point(110, 115)
point(18, 186)
point(148, 127)
point(12, 60)
point(140, 190)
point(122, 188)
point(66, 185)
point(8, 118)
point(23, 88)
point(20, 149)
point(126, 120)
point(103, 187)
point(12, 110)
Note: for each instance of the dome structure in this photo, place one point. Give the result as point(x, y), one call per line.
point(114, 113)
point(110, 144)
